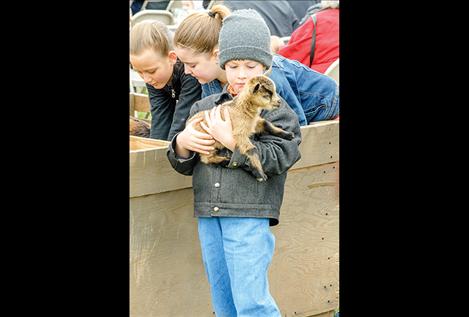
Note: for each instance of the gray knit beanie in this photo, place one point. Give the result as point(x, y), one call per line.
point(244, 35)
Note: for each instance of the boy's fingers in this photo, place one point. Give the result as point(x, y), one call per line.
point(207, 119)
point(206, 142)
point(227, 114)
point(207, 129)
point(201, 135)
point(193, 122)
point(203, 148)
point(212, 113)
point(198, 134)
point(217, 113)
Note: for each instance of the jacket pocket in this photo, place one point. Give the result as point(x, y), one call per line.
point(238, 187)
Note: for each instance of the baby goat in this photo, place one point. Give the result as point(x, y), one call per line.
point(258, 94)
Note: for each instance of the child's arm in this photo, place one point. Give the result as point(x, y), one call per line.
point(161, 113)
point(190, 93)
point(191, 140)
point(182, 151)
point(285, 91)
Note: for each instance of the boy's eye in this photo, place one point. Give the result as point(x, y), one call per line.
point(250, 66)
point(152, 71)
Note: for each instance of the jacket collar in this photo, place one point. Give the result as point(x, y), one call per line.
point(223, 96)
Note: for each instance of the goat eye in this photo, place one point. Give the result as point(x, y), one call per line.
point(266, 96)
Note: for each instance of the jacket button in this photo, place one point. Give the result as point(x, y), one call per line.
point(217, 185)
point(215, 208)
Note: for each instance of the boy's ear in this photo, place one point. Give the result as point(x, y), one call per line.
point(172, 57)
point(216, 54)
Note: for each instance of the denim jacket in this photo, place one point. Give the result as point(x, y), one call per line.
point(312, 95)
point(232, 190)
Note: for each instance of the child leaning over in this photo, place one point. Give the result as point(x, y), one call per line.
point(234, 210)
point(312, 95)
point(170, 90)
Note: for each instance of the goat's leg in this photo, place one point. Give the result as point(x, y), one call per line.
point(263, 126)
point(248, 149)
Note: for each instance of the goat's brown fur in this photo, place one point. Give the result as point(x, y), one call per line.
point(139, 127)
point(258, 94)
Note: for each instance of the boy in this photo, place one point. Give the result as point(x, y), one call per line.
point(235, 210)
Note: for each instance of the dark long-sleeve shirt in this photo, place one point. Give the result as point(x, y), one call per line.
point(170, 105)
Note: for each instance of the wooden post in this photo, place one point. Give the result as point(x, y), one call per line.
point(138, 102)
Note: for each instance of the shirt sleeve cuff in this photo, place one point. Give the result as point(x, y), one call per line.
point(172, 151)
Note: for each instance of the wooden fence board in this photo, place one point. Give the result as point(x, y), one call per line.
point(319, 146)
point(166, 271)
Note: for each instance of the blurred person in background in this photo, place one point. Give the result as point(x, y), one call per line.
point(138, 5)
point(323, 27)
point(300, 7)
point(278, 15)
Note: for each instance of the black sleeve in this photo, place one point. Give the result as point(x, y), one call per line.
point(184, 166)
point(191, 92)
point(162, 110)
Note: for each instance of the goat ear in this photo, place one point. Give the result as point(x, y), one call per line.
point(256, 88)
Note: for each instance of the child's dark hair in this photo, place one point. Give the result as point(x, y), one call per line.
point(200, 30)
point(150, 35)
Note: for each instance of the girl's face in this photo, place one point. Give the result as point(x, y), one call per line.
point(155, 69)
point(238, 72)
point(202, 66)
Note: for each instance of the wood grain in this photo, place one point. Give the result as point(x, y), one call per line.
point(167, 277)
point(139, 143)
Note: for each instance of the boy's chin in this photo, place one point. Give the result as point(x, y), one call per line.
point(202, 81)
point(237, 88)
point(159, 86)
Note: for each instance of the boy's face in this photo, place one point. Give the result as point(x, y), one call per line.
point(155, 69)
point(202, 66)
point(238, 72)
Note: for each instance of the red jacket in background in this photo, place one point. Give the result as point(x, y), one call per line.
point(327, 41)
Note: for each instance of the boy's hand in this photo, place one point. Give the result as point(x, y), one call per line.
point(220, 129)
point(192, 140)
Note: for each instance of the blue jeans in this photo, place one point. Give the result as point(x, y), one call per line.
point(236, 253)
